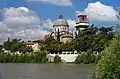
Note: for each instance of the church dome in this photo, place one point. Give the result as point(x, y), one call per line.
point(61, 22)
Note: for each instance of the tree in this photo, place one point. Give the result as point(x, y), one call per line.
point(109, 65)
point(58, 36)
point(100, 41)
point(1, 47)
point(15, 45)
point(93, 38)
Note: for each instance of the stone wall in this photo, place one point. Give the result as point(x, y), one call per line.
point(64, 57)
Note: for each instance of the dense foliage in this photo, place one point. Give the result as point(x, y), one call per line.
point(38, 57)
point(93, 38)
point(87, 58)
point(57, 59)
point(109, 64)
point(15, 45)
point(1, 47)
point(53, 45)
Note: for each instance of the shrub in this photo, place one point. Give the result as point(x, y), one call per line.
point(39, 57)
point(98, 58)
point(92, 58)
point(57, 59)
point(79, 59)
point(88, 57)
point(108, 66)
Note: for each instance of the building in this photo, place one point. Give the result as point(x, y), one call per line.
point(61, 27)
point(34, 44)
point(82, 22)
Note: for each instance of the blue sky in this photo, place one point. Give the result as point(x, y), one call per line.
point(31, 19)
point(52, 11)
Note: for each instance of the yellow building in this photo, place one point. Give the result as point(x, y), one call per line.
point(34, 44)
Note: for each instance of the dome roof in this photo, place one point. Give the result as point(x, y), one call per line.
point(60, 21)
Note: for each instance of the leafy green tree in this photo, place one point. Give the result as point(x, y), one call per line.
point(93, 38)
point(100, 41)
point(109, 65)
point(1, 47)
point(58, 36)
point(15, 45)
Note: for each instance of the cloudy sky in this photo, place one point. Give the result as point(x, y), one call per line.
point(31, 19)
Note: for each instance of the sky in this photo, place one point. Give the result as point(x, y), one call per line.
point(32, 19)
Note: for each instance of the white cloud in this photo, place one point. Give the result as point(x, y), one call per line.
point(100, 12)
point(47, 24)
point(18, 17)
point(23, 23)
point(55, 2)
point(71, 25)
point(2, 27)
point(28, 34)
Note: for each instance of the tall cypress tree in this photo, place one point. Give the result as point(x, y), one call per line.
point(58, 36)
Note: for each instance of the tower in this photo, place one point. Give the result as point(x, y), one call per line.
point(82, 22)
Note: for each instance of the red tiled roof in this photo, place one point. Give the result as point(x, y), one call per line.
point(36, 41)
point(29, 43)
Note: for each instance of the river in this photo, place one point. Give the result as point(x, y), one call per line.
point(45, 71)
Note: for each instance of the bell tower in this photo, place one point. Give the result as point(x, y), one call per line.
point(82, 22)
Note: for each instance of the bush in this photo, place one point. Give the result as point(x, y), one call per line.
point(86, 58)
point(57, 59)
point(92, 58)
point(39, 57)
point(108, 66)
point(98, 58)
point(89, 57)
point(80, 59)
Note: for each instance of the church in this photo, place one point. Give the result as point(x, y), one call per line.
point(61, 27)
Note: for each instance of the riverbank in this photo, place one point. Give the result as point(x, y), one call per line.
point(43, 57)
